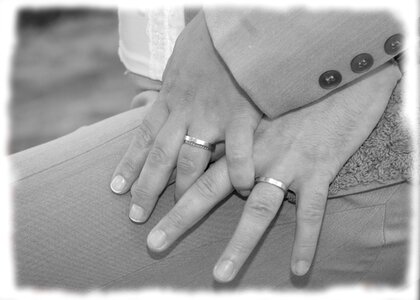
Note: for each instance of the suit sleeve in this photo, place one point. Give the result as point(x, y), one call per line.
point(286, 59)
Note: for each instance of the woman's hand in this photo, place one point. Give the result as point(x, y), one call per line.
point(146, 89)
point(199, 98)
point(304, 149)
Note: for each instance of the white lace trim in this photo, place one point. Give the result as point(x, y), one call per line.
point(163, 28)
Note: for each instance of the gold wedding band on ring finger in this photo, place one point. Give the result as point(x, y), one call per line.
point(195, 142)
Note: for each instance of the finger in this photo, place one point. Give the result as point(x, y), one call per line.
point(239, 145)
point(192, 161)
point(144, 99)
point(128, 170)
point(311, 200)
point(157, 169)
point(215, 156)
point(260, 209)
point(204, 194)
point(219, 152)
point(142, 83)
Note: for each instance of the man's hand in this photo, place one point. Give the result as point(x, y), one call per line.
point(305, 149)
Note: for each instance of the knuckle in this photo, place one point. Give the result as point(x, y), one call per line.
point(307, 245)
point(128, 166)
point(144, 134)
point(186, 166)
point(309, 216)
point(237, 157)
point(240, 119)
point(262, 208)
point(240, 247)
point(312, 213)
point(158, 156)
point(141, 193)
point(176, 218)
point(206, 187)
point(319, 200)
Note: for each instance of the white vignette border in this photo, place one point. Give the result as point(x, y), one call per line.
point(406, 11)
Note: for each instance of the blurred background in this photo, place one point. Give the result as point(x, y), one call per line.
point(66, 74)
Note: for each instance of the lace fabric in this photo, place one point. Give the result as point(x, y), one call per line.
point(163, 28)
point(147, 38)
point(385, 157)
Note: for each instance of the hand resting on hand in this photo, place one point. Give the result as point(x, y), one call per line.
point(304, 149)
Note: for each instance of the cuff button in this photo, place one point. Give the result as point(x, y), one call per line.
point(361, 63)
point(394, 44)
point(330, 79)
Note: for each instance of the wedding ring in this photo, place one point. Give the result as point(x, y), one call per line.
point(274, 182)
point(192, 141)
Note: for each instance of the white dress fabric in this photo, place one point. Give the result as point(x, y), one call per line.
point(147, 38)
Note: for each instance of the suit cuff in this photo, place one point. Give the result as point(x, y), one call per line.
point(287, 59)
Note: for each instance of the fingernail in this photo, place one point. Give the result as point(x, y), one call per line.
point(224, 270)
point(245, 193)
point(157, 239)
point(118, 184)
point(301, 267)
point(136, 213)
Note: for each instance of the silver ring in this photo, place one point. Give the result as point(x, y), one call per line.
point(192, 141)
point(273, 181)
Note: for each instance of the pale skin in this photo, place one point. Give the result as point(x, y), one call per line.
point(200, 98)
point(305, 149)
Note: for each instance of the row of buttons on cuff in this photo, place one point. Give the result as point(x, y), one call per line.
point(361, 63)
